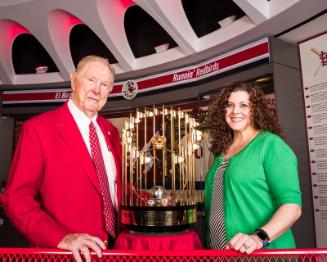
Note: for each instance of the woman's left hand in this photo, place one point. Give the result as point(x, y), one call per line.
point(244, 243)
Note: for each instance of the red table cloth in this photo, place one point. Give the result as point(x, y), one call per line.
point(185, 240)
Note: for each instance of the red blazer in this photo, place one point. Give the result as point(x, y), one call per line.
point(52, 188)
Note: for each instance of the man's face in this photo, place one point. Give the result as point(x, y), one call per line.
point(91, 87)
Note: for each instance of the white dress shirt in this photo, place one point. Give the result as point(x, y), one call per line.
point(83, 123)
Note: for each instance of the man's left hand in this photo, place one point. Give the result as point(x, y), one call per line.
point(80, 244)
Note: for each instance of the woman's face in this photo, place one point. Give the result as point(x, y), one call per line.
point(238, 111)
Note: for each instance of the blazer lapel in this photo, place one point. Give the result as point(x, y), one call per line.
point(107, 135)
point(70, 133)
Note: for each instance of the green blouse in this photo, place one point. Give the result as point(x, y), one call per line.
point(257, 181)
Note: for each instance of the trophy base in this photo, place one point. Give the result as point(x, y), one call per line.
point(158, 219)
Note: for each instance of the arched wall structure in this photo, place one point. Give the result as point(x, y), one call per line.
point(50, 23)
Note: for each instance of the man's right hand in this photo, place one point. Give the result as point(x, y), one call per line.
point(82, 244)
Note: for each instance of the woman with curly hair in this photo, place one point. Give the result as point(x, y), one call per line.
point(252, 194)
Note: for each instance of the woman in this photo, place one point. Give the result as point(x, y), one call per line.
point(252, 194)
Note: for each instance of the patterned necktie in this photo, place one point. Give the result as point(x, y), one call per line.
point(216, 221)
point(109, 210)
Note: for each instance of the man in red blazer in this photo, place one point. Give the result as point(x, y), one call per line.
point(53, 194)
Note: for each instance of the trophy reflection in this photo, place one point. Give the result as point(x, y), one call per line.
point(158, 182)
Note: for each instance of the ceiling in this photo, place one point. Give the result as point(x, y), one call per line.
point(57, 33)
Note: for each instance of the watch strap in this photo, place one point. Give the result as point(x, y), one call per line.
point(263, 236)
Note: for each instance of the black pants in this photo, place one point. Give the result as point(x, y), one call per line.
point(111, 242)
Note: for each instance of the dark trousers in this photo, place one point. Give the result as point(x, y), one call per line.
point(111, 242)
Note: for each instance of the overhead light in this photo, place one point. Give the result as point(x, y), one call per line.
point(204, 108)
point(226, 21)
point(263, 79)
point(161, 48)
point(41, 69)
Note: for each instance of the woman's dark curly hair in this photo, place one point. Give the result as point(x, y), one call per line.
point(220, 133)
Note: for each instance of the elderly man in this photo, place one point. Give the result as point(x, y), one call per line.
point(64, 186)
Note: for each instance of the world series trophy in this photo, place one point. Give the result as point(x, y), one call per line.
point(158, 181)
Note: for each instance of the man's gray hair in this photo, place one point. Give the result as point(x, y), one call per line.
point(93, 58)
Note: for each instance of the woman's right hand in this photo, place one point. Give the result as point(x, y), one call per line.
point(244, 243)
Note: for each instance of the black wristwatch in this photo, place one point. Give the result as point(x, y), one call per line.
point(263, 236)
